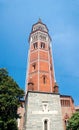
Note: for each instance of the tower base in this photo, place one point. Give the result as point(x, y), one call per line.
point(43, 111)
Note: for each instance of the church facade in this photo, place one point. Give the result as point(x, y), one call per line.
point(45, 108)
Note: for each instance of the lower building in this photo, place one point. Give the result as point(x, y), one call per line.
point(43, 111)
point(67, 107)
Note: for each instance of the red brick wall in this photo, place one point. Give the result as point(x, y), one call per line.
point(68, 108)
point(42, 59)
point(43, 55)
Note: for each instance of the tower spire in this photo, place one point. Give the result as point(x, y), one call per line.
point(41, 67)
point(39, 20)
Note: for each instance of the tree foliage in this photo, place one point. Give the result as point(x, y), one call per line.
point(10, 95)
point(73, 122)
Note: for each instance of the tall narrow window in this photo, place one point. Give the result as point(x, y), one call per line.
point(45, 125)
point(34, 66)
point(42, 45)
point(35, 45)
point(44, 79)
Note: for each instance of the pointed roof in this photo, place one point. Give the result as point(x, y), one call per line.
point(39, 20)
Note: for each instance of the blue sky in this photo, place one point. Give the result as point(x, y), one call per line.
point(62, 20)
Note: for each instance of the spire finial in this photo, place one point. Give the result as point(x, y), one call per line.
point(40, 20)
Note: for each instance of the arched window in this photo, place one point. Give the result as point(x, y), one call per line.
point(34, 66)
point(35, 45)
point(45, 125)
point(42, 45)
point(66, 122)
point(44, 79)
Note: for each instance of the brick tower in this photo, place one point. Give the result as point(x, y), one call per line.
point(40, 69)
point(42, 103)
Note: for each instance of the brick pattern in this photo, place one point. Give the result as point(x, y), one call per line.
point(43, 55)
point(33, 56)
point(40, 55)
point(68, 108)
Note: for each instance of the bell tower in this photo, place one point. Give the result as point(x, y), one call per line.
point(42, 100)
point(40, 70)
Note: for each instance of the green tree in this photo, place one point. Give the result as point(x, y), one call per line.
point(73, 122)
point(10, 95)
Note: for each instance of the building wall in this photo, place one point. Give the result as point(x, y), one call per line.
point(41, 107)
point(68, 108)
